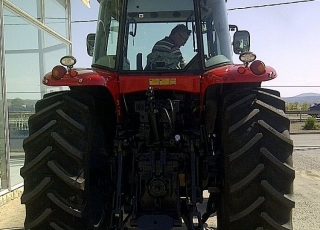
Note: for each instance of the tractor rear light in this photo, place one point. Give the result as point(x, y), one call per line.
point(258, 67)
point(73, 73)
point(241, 70)
point(58, 72)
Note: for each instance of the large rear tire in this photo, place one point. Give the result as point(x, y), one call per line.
point(66, 165)
point(257, 162)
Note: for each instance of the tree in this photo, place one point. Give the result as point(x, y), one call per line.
point(305, 106)
point(17, 103)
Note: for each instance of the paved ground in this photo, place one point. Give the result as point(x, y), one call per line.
point(12, 215)
point(306, 214)
point(306, 159)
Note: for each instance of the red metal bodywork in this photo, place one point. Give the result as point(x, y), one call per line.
point(119, 84)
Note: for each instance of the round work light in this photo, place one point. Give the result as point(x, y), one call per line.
point(247, 57)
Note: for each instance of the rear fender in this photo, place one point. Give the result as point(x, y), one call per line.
point(88, 78)
point(230, 75)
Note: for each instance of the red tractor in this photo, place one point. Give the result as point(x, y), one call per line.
point(142, 134)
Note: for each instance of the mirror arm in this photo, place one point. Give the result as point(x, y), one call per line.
point(134, 27)
point(233, 28)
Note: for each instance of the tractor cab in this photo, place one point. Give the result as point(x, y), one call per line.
point(138, 35)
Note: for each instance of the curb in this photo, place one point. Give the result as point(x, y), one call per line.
point(6, 197)
point(295, 133)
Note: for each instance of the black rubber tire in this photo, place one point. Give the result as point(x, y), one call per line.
point(65, 171)
point(257, 162)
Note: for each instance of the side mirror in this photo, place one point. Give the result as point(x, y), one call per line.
point(241, 41)
point(90, 43)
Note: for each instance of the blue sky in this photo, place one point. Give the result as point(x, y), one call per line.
point(286, 37)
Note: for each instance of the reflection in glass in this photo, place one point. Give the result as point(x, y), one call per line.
point(19, 34)
point(56, 16)
point(29, 7)
point(3, 165)
point(30, 54)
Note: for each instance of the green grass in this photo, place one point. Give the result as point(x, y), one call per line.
point(311, 124)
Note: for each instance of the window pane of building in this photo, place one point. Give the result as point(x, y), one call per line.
point(28, 6)
point(56, 16)
point(3, 165)
point(30, 53)
point(19, 34)
point(23, 76)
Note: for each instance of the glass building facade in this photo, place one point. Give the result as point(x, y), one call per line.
point(34, 35)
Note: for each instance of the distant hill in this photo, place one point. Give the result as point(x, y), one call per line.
point(309, 98)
